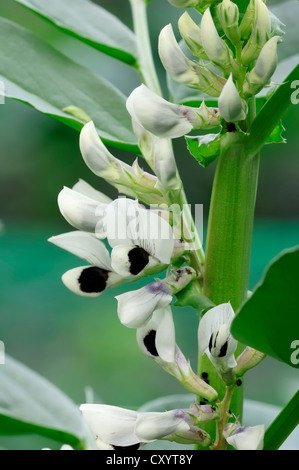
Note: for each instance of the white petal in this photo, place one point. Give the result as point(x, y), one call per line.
point(216, 316)
point(89, 281)
point(66, 447)
point(96, 156)
point(135, 307)
point(120, 220)
point(160, 117)
point(155, 235)
point(248, 438)
point(79, 210)
point(113, 425)
point(165, 338)
point(156, 338)
point(131, 260)
point(155, 425)
point(232, 108)
point(85, 246)
point(84, 188)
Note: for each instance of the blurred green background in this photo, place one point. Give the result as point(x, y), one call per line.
point(78, 343)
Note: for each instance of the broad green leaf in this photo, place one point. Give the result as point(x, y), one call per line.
point(90, 23)
point(204, 148)
point(37, 74)
point(268, 320)
point(283, 425)
point(31, 404)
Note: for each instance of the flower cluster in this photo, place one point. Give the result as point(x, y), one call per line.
point(136, 235)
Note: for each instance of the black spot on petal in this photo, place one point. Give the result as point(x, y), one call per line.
point(93, 279)
point(149, 342)
point(132, 447)
point(138, 258)
point(223, 350)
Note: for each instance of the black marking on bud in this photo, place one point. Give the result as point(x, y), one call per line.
point(205, 375)
point(132, 447)
point(223, 349)
point(138, 258)
point(239, 383)
point(149, 342)
point(93, 279)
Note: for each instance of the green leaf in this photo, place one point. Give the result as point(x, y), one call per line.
point(272, 112)
point(268, 320)
point(204, 148)
point(31, 404)
point(283, 425)
point(37, 74)
point(91, 24)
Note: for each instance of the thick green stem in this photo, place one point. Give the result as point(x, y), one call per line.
point(229, 240)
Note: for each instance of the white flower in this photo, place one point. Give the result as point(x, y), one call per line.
point(232, 108)
point(127, 179)
point(247, 437)
point(112, 425)
point(136, 307)
point(191, 34)
point(118, 428)
point(63, 447)
point(88, 281)
point(165, 119)
point(214, 336)
point(82, 206)
point(156, 337)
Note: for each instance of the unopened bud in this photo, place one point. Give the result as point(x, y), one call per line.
point(228, 13)
point(184, 70)
point(191, 34)
point(264, 68)
point(203, 117)
point(232, 108)
point(248, 359)
point(216, 49)
point(248, 20)
point(260, 34)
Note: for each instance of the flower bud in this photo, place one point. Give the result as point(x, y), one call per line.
point(232, 108)
point(264, 68)
point(184, 70)
point(260, 33)
point(248, 20)
point(191, 34)
point(228, 13)
point(248, 359)
point(216, 49)
point(164, 165)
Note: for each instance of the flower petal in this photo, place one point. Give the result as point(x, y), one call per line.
point(113, 425)
point(87, 190)
point(135, 307)
point(155, 425)
point(96, 156)
point(79, 210)
point(156, 338)
point(160, 117)
point(89, 281)
point(248, 438)
point(216, 316)
point(85, 246)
